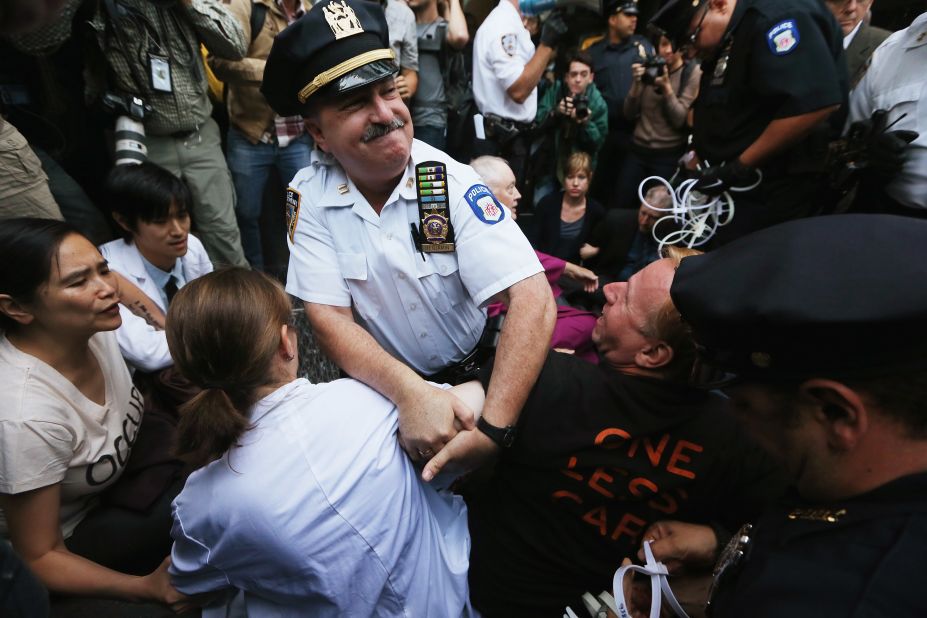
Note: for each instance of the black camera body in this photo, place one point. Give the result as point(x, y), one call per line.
point(125, 105)
point(581, 106)
point(130, 112)
point(653, 68)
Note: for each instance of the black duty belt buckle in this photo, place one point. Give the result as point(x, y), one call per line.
point(500, 129)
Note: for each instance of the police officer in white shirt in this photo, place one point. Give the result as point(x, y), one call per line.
point(395, 247)
point(896, 81)
point(506, 72)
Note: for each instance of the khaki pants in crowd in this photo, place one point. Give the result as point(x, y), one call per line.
point(23, 184)
point(198, 159)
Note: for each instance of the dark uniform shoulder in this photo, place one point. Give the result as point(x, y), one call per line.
point(774, 9)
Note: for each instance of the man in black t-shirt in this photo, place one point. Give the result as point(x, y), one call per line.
point(600, 453)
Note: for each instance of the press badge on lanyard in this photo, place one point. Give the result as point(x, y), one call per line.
point(159, 68)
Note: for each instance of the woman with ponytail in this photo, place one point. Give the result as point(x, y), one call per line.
point(303, 503)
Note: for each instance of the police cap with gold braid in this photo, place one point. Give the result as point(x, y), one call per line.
point(336, 47)
point(841, 296)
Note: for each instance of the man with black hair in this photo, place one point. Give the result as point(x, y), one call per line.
point(572, 117)
point(157, 253)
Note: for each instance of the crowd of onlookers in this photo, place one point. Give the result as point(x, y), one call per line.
point(138, 154)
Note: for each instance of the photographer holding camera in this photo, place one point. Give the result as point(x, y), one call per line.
point(664, 87)
point(572, 117)
point(155, 85)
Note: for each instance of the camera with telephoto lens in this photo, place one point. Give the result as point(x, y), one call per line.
point(653, 68)
point(130, 112)
point(581, 106)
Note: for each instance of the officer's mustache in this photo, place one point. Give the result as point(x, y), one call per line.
point(379, 130)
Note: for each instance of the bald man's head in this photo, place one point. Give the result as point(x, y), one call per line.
point(500, 179)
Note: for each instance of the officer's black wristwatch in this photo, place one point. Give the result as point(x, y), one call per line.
point(503, 436)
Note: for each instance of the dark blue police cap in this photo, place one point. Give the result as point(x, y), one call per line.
point(674, 18)
point(628, 7)
point(839, 296)
point(336, 47)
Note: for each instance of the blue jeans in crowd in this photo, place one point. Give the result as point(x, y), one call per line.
point(433, 136)
point(250, 165)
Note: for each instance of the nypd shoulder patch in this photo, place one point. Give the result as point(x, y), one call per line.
point(783, 37)
point(484, 204)
point(293, 199)
point(509, 44)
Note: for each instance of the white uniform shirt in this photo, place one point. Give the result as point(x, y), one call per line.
point(51, 433)
point(896, 81)
point(501, 50)
point(142, 345)
point(318, 512)
point(427, 312)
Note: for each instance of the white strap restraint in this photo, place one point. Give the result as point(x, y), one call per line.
point(659, 586)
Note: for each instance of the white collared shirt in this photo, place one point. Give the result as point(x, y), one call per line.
point(144, 346)
point(318, 512)
point(501, 50)
point(848, 39)
point(427, 311)
point(896, 81)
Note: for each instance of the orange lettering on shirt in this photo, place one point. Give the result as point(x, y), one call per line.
point(568, 495)
point(664, 503)
point(625, 527)
point(594, 482)
point(636, 484)
point(655, 454)
point(679, 457)
point(596, 517)
point(573, 475)
point(609, 433)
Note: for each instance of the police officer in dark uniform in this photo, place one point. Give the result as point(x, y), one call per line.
point(773, 74)
point(612, 58)
point(813, 329)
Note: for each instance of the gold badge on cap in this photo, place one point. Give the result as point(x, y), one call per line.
point(341, 19)
point(826, 515)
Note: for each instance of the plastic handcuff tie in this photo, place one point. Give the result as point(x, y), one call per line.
point(697, 216)
point(659, 586)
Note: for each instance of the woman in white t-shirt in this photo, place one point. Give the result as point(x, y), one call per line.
point(303, 503)
point(70, 413)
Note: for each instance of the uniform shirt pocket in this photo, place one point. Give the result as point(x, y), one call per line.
point(440, 277)
point(353, 268)
point(903, 100)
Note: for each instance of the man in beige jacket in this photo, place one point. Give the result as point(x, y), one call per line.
point(258, 139)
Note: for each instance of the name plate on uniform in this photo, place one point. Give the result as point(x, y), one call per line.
point(437, 233)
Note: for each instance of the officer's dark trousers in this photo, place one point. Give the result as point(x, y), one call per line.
point(776, 200)
point(639, 164)
point(608, 168)
point(514, 150)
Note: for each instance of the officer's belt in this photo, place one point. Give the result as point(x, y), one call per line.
point(503, 129)
point(469, 367)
